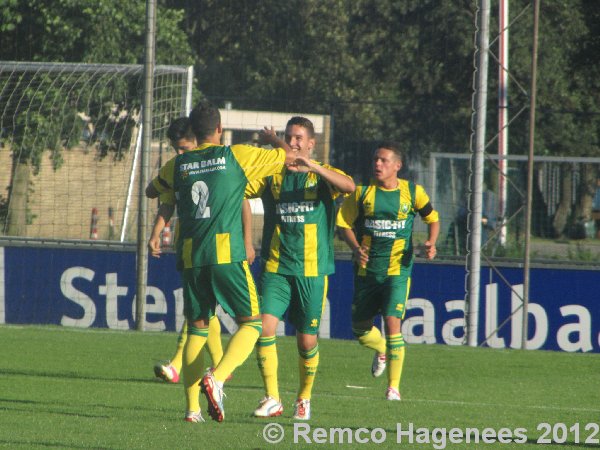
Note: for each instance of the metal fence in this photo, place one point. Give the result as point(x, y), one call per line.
point(565, 211)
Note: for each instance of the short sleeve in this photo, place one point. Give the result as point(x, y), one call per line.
point(334, 192)
point(257, 162)
point(349, 210)
point(255, 188)
point(422, 200)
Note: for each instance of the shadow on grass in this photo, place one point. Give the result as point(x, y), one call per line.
point(76, 376)
point(31, 444)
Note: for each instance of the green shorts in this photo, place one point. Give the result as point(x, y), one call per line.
point(230, 285)
point(302, 297)
point(385, 295)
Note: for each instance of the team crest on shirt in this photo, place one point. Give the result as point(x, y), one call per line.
point(405, 207)
point(184, 174)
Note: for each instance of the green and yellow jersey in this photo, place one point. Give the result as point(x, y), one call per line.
point(383, 221)
point(207, 184)
point(299, 222)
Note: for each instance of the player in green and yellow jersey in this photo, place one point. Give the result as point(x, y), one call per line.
point(207, 185)
point(182, 139)
point(377, 224)
point(297, 251)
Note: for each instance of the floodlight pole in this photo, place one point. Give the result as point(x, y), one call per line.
point(142, 238)
point(477, 160)
point(532, 104)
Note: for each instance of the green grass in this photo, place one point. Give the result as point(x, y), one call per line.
point(77, 389)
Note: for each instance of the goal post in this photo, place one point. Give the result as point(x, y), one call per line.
point(68, 134)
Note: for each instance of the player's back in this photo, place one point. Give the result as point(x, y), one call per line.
point(209, 185)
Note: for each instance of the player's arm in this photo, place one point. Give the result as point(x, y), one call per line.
point(360, 253)
point(338, 180)
point(165, 211)
point(434, 232)
point(151, 191)
point(267, 136)
point(247, 227)
point(345, 220)
point(431, 217)
point(163, 182)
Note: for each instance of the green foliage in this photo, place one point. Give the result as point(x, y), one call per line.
point(94, 31)
point(74, 388)
point(387, 70)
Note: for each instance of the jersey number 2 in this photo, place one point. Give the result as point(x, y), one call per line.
point(200, 198)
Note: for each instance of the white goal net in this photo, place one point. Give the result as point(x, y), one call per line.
point(69, 140)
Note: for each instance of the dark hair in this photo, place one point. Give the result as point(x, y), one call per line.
point(180, 129)
point(204, 119)
point(303, 122)
point(394, 147)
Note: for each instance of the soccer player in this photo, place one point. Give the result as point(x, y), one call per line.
point(207, 186)
point(297, 251)
point(183, 139)
point(377, 224)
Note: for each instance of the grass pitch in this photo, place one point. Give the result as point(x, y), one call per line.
point(77, 389)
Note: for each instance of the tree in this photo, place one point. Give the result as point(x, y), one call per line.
point(568, 104)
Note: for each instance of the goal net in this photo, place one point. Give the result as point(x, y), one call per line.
point(70, 137)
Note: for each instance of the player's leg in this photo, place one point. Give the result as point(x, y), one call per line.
point(177, 359)
point(213, 344)
point(394, 312)
point(275, 300)
point(365, 305)
point(171, 370)
point(235, 291)
point(266, 356)
point(309, 295)
point(193, 363)
point(199, 304)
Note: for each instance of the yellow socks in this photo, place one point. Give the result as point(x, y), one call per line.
point(240, 346)
point(214, 346)
point(193, 365)
point(308, 364)
point(371, 339)
point(266, 356)
point(177, 359)
point(395, 359)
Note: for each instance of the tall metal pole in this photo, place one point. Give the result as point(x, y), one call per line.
point(502, 115)
point(477, 161)
point(142, 249)
point(526, 272)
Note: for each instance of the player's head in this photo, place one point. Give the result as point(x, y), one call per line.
point(181, 135)
point(205, 120)
point(387, 161)
point(300, 135)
